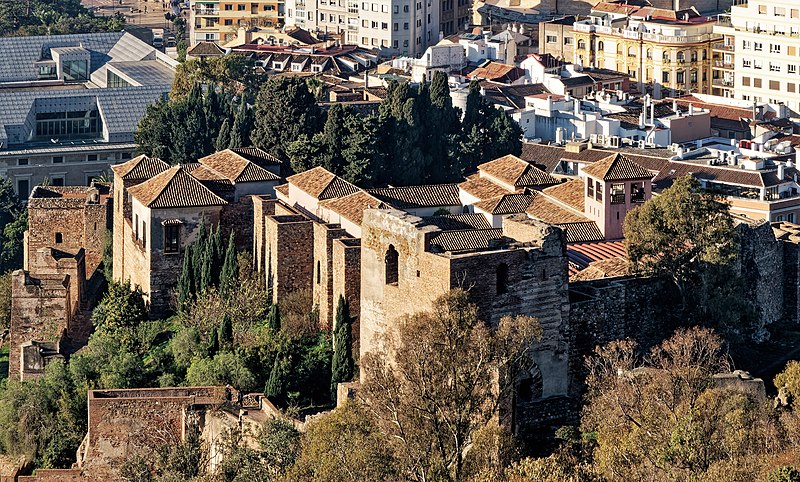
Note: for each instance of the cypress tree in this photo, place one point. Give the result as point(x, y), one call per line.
point(224, 137)
point(198, 251)
point(206, 275)
point(277, 382)
point(274, 318)
point(240, 132)
point(185, 288)
point(226, 331)
point(216, 253)
point(213, 343)
point(230, 267)
point(342, 366)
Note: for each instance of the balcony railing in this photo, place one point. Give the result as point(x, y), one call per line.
point(722, 83)
point(618, 198)
point(637, 197)
point(723, 65)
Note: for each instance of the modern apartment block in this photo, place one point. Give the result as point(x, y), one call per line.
point(666, 52)
point(759, 54)
point(218, 21)
point(394, 27)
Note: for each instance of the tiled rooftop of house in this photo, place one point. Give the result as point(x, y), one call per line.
point(458, 222)
point(352, 206)
point(466, 240)
point(140, 168)
point(321, 184)
point(514, 171)
point(506, 204)
point(174, 188)
point(582, 255)
point(617, 167)
point(482, 188)
point(237, 168)
point(409, 197)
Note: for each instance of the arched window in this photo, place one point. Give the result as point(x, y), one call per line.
point(649, 53)
point(59, 238)
point(581, 44)
point(632, 51)
point(502, 278)
point(681, 56)
point(601, 45)
point(391, 260)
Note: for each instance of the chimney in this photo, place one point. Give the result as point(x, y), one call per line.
point(781, 171)
point(675, 106)
point(691, 110)
point(576, 103)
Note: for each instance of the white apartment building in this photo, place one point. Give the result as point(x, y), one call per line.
point(758, 59)
point(394, 27)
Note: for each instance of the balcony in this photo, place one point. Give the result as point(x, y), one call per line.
point(721, 64)
point(201, 12)
point(618, 198)
point(583, 27)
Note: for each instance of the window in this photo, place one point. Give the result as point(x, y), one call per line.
point(757, 64)
point(551, 39)
point(365, 23)
point(228, 6)
point(501, 279)
point(791, 68)
point(73, 124)
point(746, 81)
point(59, 238)
point(757, 83)
point(241, 8)
point(665, 77)
point(774, 48)
point(790, 87)
point(58, 159)
point(396, 9)
point(395, 27)
point(581, 44)
point(22, 162)
point(172, 238)
point(75, 70)
point(637, 192)
point(567, 40)
point(774, 85)
point(746, 44)
point(57, 181)
point(598, 191)
point(384, 26)
point(747, 63)
point(600, 45)
point(774, 67)
point(228, 21)
point(405, 26)
point(374, 24)
point(758, 46)
point(762, 9)
point(618, 193)
point(391, 261)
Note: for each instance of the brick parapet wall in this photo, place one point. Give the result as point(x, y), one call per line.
point(290, 253)
point(324, 236)
point(347, 282)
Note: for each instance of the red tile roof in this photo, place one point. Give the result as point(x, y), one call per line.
point(140, 167)
point(237, 168)
point(505, 204)
point(466, 240)
point(581, 255)
point(174, 188)
point(516, 172)
point(617, 167)
point(321, 184)
point(409, 197)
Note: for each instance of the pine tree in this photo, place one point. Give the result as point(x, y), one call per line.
point(342, 366)
point(230, 267)
point(185, 285)
point(224, 137)
point(274, 319)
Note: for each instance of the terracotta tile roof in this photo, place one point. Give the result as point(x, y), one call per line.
point(516, 172)
point(497, 71)
point(430, 195)
point(570, 193)
point(483, 188)
point(466, 240)
point(236, 168)
point(581, 255)
point(617, 167)
point(175, 188)
point(352, 206)
point(140, 167)
point(283, 189)
point(606, 268)
point(206, 49)
point(321, 184)
point(458, 222)
point(551, 212)
point(581, 232)
point(260, 157)
point(505, 204)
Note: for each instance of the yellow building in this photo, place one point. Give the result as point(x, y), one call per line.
point(218, 20)
point(667, 53)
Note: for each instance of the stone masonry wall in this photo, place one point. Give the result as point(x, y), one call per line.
point(761, 267)
point(290, 254)
point(347, 282)
point(324, 236)
point(40, 311)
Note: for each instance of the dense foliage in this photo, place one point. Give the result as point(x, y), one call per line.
point(415, 137)
point(47, 17)
point(688, 235)
point(189, 127)
point(13, 223)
